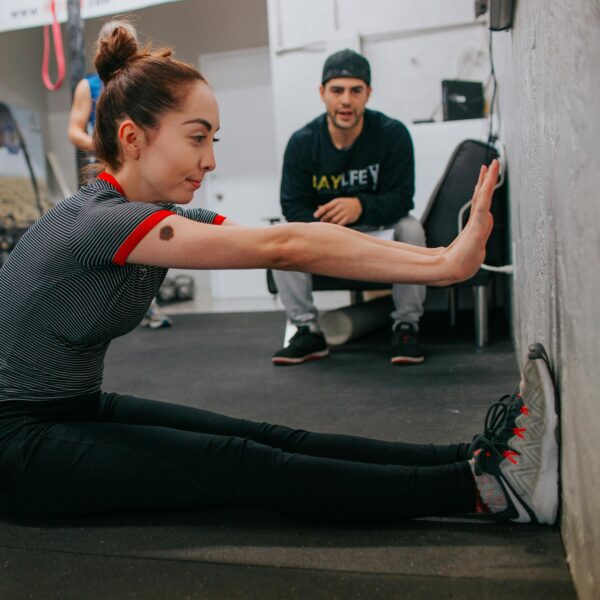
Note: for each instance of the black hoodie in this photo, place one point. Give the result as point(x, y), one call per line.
point(378, 169)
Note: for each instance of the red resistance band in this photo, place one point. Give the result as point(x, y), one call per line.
point(58, 52)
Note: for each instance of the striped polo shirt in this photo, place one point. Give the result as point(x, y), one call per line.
point(66, 291)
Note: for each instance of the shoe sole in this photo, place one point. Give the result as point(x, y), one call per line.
point(407, 360)
point(297, 361)
point(539, 397)
point(546, 494)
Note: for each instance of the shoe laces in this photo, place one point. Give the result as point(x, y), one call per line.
point(498, 415)
point(500, 426)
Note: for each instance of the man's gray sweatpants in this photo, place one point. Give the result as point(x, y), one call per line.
point(295, 288)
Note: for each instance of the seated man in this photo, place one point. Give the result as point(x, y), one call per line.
point(354, 167)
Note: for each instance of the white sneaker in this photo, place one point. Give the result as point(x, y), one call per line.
point(520, 445)
point(155, 319)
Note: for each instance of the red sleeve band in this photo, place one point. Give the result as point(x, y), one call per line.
point(218, 220)
point(138, 234)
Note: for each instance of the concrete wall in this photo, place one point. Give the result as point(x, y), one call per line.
point(549, 79)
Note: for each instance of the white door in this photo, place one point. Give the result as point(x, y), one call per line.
point(245, 184)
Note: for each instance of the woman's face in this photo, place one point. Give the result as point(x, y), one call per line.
point(175, 158)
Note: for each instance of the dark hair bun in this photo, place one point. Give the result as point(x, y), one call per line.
point(114, 52)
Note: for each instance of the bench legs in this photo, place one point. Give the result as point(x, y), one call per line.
point(480, 304)
point(452, 305)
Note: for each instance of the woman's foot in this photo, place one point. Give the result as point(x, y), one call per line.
point(519, 450)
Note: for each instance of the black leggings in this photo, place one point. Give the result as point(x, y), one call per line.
point(108, 453)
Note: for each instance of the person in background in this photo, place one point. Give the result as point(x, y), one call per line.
point(353, 167)
point(82, 120)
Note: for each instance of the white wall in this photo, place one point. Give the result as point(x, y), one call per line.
point(412, 47)
point(21, 80)
point(549, 90)
point(20, 68)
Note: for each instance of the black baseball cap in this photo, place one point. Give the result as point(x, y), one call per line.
point(346, 63)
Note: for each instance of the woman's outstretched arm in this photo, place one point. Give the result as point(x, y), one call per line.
point(424, 249)
point(320, 248)
point(410, 247)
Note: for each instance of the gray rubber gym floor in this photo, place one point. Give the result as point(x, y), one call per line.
point(222, 363)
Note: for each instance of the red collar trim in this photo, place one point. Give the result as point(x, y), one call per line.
point(110, 179)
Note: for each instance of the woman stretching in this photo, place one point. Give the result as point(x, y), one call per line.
point(86, 273)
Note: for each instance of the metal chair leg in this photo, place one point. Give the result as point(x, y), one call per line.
point(452, 305)
point(481, 315)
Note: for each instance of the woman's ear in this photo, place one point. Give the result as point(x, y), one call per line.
point(131, 138)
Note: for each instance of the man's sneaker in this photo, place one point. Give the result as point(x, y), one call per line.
point(520, 446)
point(405, 345)
point(155, 319)
point(304, 345)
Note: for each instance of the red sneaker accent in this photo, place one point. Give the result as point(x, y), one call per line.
point(519, 431)
point(511, 455)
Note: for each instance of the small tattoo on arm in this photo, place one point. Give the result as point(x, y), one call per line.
point(166, 233)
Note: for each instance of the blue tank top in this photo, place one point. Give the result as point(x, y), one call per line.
point(95, 88)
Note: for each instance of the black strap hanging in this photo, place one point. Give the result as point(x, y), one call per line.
point(76, 65)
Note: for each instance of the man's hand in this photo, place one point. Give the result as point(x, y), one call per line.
point(341, 211)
